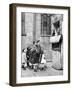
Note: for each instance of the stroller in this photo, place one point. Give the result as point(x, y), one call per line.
point(34, 58)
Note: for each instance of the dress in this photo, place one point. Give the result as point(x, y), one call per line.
point(24, 60)
point(43, 59)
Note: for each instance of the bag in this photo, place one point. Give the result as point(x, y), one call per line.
point(55, 39)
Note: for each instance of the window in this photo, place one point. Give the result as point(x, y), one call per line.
point(45, 25)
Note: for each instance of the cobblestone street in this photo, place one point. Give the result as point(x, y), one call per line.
point(48, 72)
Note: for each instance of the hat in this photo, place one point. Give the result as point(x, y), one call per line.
point(38, 41)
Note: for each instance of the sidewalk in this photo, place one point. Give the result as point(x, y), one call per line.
point(48, 72)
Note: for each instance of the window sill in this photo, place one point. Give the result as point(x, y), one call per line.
point(56, 49)
point(45, 35)
point(23, 35)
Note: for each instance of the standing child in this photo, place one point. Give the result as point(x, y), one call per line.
point(24, 59)
point(43, 66)
point(43, 59)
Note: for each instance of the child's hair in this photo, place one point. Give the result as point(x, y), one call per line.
point(23, 49)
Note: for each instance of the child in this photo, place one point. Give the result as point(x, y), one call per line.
point(43, 66)
point(24, 59)
point(43, 59)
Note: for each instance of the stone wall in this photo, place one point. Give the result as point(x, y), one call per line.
point(33, 31)
point(44, 41)
point(26, 40)
point(57, 56)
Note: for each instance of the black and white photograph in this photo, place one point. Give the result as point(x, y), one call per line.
point(41, 44)
point(41, 40)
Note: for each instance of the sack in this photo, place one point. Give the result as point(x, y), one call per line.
point(55, 39)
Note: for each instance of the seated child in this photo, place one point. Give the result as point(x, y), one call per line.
point(24, 59)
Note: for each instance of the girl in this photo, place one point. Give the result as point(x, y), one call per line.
point(24, 59)
point(43, 66)
point(43, 59)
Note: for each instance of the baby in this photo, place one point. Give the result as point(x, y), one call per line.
point(24, 59)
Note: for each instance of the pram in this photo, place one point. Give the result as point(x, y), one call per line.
point(34, 59)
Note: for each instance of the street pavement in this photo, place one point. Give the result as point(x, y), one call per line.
point(48, 72)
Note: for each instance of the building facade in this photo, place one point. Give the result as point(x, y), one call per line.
point(36, 26)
